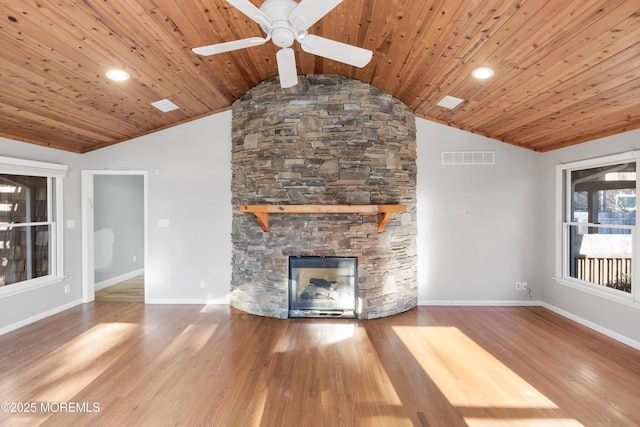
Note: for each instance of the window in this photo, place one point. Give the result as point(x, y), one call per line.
point(597, 212)
point(30, 224)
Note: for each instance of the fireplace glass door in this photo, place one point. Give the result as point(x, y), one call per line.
point(322, 286)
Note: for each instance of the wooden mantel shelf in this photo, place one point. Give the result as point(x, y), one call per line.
point(262, 212)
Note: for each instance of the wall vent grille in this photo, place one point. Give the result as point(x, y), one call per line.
point(462, 158)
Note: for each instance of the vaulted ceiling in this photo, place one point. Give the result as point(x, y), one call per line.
point(566, 71)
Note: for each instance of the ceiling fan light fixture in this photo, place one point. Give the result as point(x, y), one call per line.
point(287, 21)
point(482, 73)
point(283, 37)
point(117, 75)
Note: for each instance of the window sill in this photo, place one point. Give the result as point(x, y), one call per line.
point(30, 285)
point(593, 290)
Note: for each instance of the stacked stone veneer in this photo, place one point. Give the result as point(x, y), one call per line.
point(329, 140)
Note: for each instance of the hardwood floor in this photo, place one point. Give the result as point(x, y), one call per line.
point(210, 365)
point(131, 290)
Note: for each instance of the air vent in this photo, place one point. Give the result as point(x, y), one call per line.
point(165, 105)
point(450, 102)
point(458, 158)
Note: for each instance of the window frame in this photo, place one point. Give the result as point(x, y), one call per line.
point(55, 174)
point(563, 210)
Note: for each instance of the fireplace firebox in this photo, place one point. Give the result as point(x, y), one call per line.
point(323, 286)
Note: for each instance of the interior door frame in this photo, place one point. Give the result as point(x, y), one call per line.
point(88, 260)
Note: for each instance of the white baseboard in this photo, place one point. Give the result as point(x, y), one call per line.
point(604, 331)
point(500, 303)
point(39, 316)
point(217, 301)
point(116, 280)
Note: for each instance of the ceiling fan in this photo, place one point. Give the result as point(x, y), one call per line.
point(285, 21)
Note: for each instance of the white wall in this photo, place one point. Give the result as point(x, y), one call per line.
point(35, 304)
point(477, 224)
point(189, 185)
point(615, 319)
point(118, 209)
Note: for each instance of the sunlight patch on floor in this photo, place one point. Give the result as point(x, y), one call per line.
point(477, 383)
point(261, 400)
point(303, 349)
point(73, 366)
point(316, 335)
point(189, 342)
point(533, 422)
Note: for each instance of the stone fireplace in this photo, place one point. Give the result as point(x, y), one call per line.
point(330, 140)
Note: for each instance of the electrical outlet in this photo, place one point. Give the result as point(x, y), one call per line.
point(135, 258)
point(67, 289)
point(525, 286)
point(167, 284)
point(518, 286)
point(202, 284)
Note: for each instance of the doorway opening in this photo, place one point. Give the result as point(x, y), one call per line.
point(114, 235)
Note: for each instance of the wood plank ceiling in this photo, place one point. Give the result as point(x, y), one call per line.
point(566, 71)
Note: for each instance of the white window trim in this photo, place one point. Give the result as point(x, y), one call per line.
point(562, 188)
point(32, 167)
point(15, 166)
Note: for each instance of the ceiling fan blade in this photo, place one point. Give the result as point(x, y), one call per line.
point(248, 8)
point(308, 12)
point(287, 67)
point(229, 46)
point(331, 49)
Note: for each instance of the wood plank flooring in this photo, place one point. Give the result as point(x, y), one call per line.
point(131, 290)
point(188, 365)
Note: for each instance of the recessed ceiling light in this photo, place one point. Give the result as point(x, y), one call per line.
point(165, 105)
point(482, 73)
point(449, 102)
point(117, 75)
